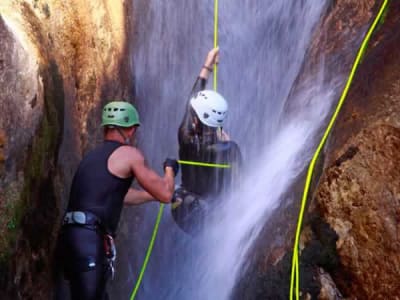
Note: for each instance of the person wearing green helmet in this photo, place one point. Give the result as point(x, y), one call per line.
point(202, 140)
point(100, 188)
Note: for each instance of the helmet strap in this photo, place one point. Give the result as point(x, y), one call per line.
point(194, 127)
point(126, 139)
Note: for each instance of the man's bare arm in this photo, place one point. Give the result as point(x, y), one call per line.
point(161, 188)
point(134, 197)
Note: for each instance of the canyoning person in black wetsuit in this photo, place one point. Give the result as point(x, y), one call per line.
point(203, 140)
point(100, 188)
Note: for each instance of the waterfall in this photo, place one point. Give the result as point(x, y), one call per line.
point(262, 48)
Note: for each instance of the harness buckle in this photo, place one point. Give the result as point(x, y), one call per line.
point(111, 252)
point(78, 217)
point(81, 218)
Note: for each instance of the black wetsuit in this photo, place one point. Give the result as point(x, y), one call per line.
point(199, 143)
point(81, 247)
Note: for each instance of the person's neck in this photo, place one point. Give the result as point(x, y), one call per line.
point(114, 136)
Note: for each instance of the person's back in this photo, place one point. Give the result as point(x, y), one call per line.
point(96, 190)
point(223, 157)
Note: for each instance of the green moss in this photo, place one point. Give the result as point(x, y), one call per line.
point(43, 152)
point(9, 222)
point(23, 198)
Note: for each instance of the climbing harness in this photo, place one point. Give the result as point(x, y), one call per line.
point(295, 276)
point(90, 221)
point(81, 218)
point(189, 211)
point(85, 219)
point(111, 253)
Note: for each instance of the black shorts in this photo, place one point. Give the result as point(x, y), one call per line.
point(81, 255)
point(189, 210)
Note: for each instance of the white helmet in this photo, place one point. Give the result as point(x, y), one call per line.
point(210, 107)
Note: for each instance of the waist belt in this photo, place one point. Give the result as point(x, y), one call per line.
point(81, 218)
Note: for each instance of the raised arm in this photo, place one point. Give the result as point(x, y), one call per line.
point(211, 59)
point(186, 128)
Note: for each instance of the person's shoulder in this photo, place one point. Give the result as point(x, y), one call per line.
point(128, 149)
point(232, 144)
point(130, 152)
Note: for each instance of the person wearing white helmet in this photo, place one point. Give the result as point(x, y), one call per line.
point(202, 140)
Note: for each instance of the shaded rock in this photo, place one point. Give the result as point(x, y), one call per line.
point(20, 82)
point(329, 290)
point(59, 62)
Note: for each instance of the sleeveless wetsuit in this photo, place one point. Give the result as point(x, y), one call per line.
point(94, 189)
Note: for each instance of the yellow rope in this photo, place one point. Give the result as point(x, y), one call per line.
point(148, 252)
point(203, 164)
point(295, 259)
point(215, 40)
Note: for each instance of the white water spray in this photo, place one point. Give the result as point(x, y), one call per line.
point(262, 44)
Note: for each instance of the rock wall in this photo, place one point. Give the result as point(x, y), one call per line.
point(359, 192)
point(59, 62)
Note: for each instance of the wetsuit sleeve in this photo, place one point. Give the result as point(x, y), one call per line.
point(185, 134)
point(198, 86)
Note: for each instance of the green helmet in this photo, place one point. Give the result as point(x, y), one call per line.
point(120, 113)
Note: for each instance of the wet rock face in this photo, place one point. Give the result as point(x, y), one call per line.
point(358, 193)
point(21, 106)
point(31, 105)
point(360, 199)
point(332, 50)
point(21, 98)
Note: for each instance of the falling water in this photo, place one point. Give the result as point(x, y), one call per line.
point(263, 44)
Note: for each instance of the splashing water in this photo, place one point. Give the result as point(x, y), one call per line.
point(262, 44)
